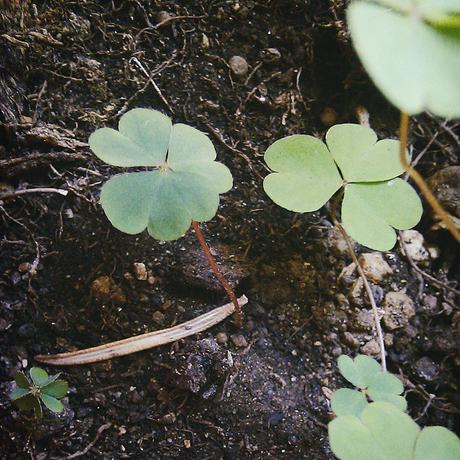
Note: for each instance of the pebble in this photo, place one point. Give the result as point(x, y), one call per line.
point(371, 348)
point(350, 340)
point(239, 340)
point(413, 245)
point(398, 310)
point(426, 369)
point(375, 267)
point(328, 118)
point(163, 16)
point(158, 317)
point(430, 304)
point(140, 272)
point(239, 66)
point(271, 55)
point(222, 338)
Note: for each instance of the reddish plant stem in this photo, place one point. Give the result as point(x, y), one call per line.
point(219, 276)
point(418, 179)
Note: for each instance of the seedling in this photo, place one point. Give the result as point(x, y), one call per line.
point(41, 388)
point(180, 188)
point(308, 172)
point(381, 430)
point(411, 50)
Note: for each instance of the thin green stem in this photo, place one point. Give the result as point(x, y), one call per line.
point(418, 179)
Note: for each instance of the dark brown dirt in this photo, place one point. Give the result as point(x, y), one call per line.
point(73, 66)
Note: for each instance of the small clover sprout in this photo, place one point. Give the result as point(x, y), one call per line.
point(182, 183)
point(41, 388)
point(307, 172)
point(366, 374)
point(381, 430)
point(411, 50)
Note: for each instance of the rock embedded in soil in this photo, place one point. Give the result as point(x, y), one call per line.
point(413, 245)
point(426, 369)
point(140, 271)
point(239, 340)
point(398, 310)
point(375, 267)
point(239, 66)
point(371, 348)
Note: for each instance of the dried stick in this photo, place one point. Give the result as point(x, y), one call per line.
point(34, 190)
point(142, 342)
point(219, 276)
point(378, 327)
point(418, 179)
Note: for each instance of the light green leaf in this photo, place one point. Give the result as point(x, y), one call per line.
point(185, 187)
point(58, 389)
point(386, 383)
point(361, 371)
point(371, 211)
point(21, 380)
point(397, 401)
point(437, 443)
point(360, 157)
point(38, 376)
point(19, 393)
point(305, 175)
point(52, 403)
point(382, 432)
point(415, 65)
point(348, 402)
point(142, 139)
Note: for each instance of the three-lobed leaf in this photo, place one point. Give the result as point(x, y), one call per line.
point(184, 186)
point(348, 402)
point(305, 176)
point(411, 50)
point(383, 432)
point(360, 371)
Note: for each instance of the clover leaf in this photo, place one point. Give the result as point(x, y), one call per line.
point(382, 432)
point(348, 402)
point(411, 50)
point(41, 388)
point(182, 184)
point(306, 175)
point(365, 373)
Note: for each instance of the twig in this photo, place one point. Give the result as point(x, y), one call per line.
point(164, 22)
point(378, 327)
point(60, 191)
point(143, 341)
point(100, 430)
point(418, 179)
point(219, 276)
point(426, 275)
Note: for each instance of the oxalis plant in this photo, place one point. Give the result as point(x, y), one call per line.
point(178, 186)
point(411, 50)
point(371, 422)
point(308, 172)
point(30, 394)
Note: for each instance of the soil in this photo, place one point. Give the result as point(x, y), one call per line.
point(67, 68)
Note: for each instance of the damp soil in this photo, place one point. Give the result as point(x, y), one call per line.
point(67, 68)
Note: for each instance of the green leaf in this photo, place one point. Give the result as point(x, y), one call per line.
point(185, 187)
point(38, 376)
point(21, 380)
point(58, 389)
point(382, 432)
point(52, 403)
point(437, 443)
point(371, 211)
point(19, 393)
point(360, 157)
point(387, 383)
point(28, 403)
point(305, 175)
point(348, 402)
point(361, 371)
point(415, 65)
point(142, 139)
point(397, 401)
